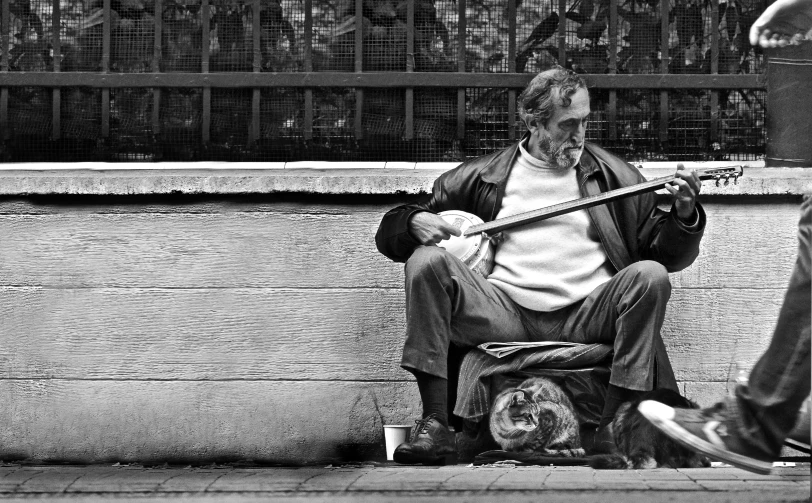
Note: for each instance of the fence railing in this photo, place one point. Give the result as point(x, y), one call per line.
point(407, 80)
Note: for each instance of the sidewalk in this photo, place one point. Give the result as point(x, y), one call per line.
point(380, 482)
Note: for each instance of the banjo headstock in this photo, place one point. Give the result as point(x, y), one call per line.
point(722, 174)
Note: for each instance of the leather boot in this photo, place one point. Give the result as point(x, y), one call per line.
point(430, 443)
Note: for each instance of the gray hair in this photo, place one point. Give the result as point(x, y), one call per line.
point(536, 100)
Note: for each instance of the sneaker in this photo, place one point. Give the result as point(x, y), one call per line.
point(705, 431)
point(798, 438)
point(430, 443)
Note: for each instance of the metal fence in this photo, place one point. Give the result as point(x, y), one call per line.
point(411, 80)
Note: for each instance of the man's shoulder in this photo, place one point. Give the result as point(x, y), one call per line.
point(476, 166)
point(613, 166)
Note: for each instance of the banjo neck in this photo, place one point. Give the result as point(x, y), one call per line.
point(527, 217)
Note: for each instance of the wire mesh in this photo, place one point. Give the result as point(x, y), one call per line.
point(181, 36)
point(742, 134)
point(29, 110)
point(637, 125)
point(29, 32)
point(131, 130)
point(486, 121)
point(333, 119)
point(230, 120)
point(421, 128)
point(180, 125)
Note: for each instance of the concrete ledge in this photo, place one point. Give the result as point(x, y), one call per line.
point(236, 178)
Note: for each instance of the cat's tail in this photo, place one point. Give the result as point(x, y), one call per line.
point(608, 462)
point(565, 453)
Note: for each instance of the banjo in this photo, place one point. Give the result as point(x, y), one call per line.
point(476, 245)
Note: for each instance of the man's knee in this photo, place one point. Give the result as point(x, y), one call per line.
point(426, 259)
point(652, 275)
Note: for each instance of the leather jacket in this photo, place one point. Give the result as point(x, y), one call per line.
point(630, 229)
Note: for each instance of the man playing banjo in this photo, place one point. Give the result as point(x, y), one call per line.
point(597, 275)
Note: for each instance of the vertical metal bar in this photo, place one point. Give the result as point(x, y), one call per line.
point(511, 68)
point(56, 23)
point(157, 48)
point(714, 104)
point(106, 31)
point(613, 39)
point(56, 101)
point(461, 33)
point(308, 67)
point(205, 42)
point(105, 111)
point(512, 36)
point(253, 135)
point(359, 67)
point(5, 11)
point(664, 8)
point(5, 134)
point(205, 126)
point(105, 67)
point(156, 67)
point(359, 36)
point(255, 98)
point(56, 113)
point(562, 32)
point(408, 124)
point(256, 31)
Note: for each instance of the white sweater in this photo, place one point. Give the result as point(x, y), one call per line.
point(554, 263)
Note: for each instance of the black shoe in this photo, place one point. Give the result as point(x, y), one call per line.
point(430, 443)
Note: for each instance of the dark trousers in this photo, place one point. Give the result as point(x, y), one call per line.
point(447, 303)
point(780, 381)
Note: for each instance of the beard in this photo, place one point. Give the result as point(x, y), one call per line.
point(564, 156)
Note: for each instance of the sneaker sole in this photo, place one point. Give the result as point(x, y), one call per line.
point(798, 446)
point(662, 416)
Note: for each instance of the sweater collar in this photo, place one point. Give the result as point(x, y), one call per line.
point(498, 168)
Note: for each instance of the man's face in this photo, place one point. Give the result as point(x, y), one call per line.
point(560, 142)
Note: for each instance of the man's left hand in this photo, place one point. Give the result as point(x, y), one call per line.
point(685, 188)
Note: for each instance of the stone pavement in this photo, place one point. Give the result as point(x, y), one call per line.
point(381, 482)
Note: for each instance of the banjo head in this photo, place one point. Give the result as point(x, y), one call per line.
point(461, 247)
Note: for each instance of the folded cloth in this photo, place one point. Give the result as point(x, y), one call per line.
point(473, 388)
point(525, 458)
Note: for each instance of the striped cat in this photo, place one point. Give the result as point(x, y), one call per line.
point(537, 416)
point(640, 445)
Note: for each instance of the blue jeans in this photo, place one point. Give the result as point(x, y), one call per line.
point(766, 408)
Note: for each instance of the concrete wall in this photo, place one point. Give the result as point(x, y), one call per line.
point(207, 315)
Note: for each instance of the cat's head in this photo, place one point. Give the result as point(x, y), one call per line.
point(515, 410)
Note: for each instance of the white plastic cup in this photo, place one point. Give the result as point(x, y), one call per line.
point(394, 435)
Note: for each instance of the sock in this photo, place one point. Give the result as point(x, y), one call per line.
point(434, 395)
point(615, 396)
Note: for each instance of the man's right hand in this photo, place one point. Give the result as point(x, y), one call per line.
point(430, 228)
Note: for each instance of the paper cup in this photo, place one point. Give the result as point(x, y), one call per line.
point(394, 435)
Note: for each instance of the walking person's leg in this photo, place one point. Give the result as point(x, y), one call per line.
point(748, 429)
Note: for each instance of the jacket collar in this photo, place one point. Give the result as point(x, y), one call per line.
point(498, 168)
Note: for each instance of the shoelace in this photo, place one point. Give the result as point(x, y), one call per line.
point(422, 425)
